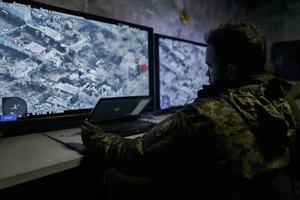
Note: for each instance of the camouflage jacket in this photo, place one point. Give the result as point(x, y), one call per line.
point(224, 136)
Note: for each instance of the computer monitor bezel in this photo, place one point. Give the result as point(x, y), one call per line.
point(70, 118)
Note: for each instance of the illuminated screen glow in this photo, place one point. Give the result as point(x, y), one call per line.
point(58, 61)
point(182, 70)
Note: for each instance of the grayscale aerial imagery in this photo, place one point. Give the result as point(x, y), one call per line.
point(58, 62)
point(182, 70)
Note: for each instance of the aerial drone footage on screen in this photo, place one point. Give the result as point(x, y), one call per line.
point(58, 61)
point(182, 70)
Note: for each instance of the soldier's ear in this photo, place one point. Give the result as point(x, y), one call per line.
point(232, 71)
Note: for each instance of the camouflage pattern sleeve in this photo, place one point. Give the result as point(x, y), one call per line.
point(157, 152)
point(115, 151)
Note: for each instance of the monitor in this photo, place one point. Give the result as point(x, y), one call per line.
point(181, 70)
point(285, 57)
point(62, 62)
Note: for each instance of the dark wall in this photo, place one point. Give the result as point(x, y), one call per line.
point(279, 19)
point(162, 15)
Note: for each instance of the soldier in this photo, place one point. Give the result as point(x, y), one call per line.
point(228, 144)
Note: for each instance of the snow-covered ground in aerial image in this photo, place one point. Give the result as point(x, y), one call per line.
point(182, 70)
point(58, 62)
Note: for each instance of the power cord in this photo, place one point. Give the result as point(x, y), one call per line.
point(186, 103)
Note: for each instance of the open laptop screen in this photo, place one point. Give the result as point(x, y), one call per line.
point(108, 109)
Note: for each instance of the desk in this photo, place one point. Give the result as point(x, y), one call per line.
point(28, 157)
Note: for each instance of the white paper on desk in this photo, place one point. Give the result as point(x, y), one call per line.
point(155, 118)
point(71, 140)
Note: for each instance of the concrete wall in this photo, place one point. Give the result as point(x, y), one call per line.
point(162, 15)
point(279, 19)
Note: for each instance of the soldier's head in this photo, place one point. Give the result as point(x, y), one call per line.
point(235, 51)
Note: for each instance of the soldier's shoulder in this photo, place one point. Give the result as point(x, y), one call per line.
point(210, 103)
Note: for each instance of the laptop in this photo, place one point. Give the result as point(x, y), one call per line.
point(115, 115)
point(121, 115)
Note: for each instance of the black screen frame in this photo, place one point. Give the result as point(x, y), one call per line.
point(71, 118)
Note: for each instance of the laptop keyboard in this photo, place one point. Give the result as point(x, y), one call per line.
point(129, 128)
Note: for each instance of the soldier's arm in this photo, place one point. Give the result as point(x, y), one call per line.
point(142, 155)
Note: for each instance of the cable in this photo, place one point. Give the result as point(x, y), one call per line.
point(189, 100)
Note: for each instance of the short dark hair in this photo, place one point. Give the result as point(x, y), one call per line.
point(241, 43)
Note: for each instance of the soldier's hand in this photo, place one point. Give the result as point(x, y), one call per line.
point(87, 130)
